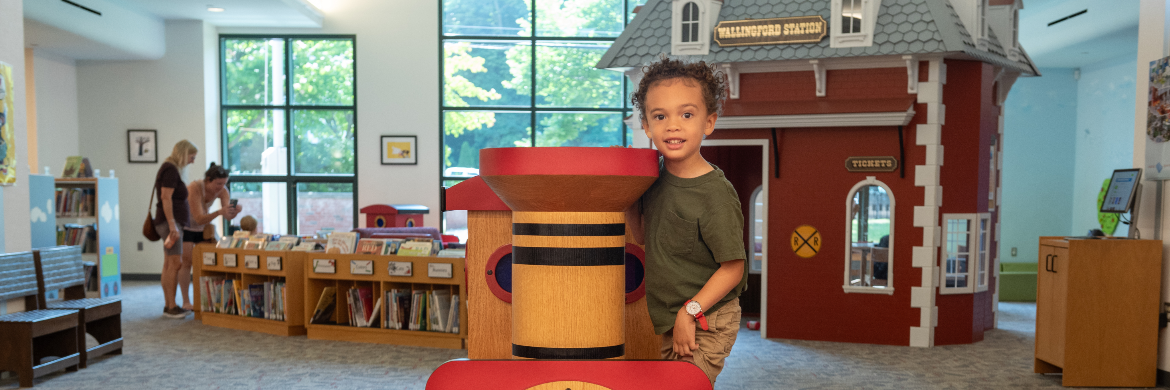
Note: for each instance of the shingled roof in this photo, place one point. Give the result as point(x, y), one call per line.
point(904, 27)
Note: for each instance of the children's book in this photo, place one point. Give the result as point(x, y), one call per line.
point(370, 246)
point(341, 242)
point(72, 167)
point(253, 245)
point(415, 248)
point(225, 242)
point(324, 312)
point(391, 246)
point(453, 315)
point(276, 246)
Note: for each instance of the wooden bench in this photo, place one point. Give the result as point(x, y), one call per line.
point(60, 268)
point(27, 338)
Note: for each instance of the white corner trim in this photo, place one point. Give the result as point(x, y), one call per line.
point(926, 216)
point(819, 73)
point(816, 120)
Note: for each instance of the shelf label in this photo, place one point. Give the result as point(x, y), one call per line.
point(400, 268)
point(229, 260)
point(440, 270)
point(251, 261)
point(274, 263)
point(361, 267)
point(208, 258)
point(322, 266)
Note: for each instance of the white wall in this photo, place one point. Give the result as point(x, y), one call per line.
point(397, 93)
point(166, 95)
point(1104, 135)
point(57, 120)
point(16, 207)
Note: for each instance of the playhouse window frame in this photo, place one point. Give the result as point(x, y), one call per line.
point(979, 257)
point(862, 36)
point(699, 28)
point(847, 285)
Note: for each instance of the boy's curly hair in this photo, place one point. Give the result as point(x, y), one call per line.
point(711, 80)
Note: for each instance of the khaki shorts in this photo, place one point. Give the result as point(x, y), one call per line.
point(714, 343)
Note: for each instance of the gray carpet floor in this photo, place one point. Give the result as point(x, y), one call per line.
point(165, 353)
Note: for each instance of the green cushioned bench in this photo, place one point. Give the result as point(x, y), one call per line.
point(1017, 282)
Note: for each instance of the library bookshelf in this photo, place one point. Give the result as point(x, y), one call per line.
point(90, 201)
point(290, 271)
point(381, 281)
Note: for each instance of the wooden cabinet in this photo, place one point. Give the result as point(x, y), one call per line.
point(1097, 307)
point(247, 267)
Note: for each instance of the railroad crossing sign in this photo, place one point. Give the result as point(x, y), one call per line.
point(806, 241)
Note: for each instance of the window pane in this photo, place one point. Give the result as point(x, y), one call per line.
point(503, 18)
point(566, 76)
point(466, 132)
point(487, 73)
point(322, 72)
point(255, 142)
point(587, 18)
point(455, 223)
point(324, 205)
point(323, 141)
point(579, 129)
point(253, 71)
point(631, 4)
point(267, 202)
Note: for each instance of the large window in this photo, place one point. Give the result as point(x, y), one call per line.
point(966, 241)
point(520, 73)
point(288, 109)
point(869, 253)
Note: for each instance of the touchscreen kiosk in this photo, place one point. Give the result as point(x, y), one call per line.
point(1122, 186)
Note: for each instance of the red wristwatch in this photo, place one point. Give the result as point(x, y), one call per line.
point(694, 309)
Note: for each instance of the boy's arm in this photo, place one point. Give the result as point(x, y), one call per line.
point(635, 224)
point(729, 274)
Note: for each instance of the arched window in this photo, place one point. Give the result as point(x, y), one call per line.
point(869, 251)
point(690, 22)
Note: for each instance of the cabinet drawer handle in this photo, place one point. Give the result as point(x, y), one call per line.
point(1047, 258)
point(1053, 263)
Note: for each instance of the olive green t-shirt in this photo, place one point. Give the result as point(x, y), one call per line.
point(692, 225)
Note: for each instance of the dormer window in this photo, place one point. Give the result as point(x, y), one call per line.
point(854, 23)
point(850, 16)
point(690, 22)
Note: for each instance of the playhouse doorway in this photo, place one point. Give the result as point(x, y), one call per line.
point(744, 161)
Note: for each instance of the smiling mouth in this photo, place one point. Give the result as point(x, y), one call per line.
point(675, 141)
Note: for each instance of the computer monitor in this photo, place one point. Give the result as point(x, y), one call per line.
point(1122, 187)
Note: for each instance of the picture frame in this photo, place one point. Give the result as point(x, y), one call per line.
point(142, 146)
point(399, 150)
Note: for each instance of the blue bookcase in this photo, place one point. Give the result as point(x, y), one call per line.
point(104, 215)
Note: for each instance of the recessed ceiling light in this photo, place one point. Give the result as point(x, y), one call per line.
point(215, 9)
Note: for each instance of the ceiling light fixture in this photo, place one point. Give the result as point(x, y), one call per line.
point(215, 9)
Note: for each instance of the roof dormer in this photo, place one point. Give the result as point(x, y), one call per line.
point(1003, 16)
point(692, 23)
point(973, 14)
point(852, 22)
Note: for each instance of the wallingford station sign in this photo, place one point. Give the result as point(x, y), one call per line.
point(797, 29)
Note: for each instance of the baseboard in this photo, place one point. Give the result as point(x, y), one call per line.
point(1163, 378)
point(142, 277)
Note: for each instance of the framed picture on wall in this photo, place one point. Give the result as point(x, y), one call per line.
point(142, 146)
point(399, 149)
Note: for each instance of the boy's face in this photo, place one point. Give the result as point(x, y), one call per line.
point(677, 119)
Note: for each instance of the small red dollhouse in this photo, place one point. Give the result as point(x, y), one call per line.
point(852, 103)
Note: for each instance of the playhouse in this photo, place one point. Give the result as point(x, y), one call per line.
point(838, 116)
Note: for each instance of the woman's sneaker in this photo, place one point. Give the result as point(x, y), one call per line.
point(175, 312)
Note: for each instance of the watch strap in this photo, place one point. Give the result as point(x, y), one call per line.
point(700, 317)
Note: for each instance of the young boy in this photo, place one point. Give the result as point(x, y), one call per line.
point(689, 219)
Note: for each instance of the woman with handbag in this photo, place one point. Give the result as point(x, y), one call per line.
point(200, 195)
point(171, 215)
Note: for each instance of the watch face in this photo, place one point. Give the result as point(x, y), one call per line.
point(693, 308)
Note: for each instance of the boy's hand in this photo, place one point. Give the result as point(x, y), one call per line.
point(684, 334)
